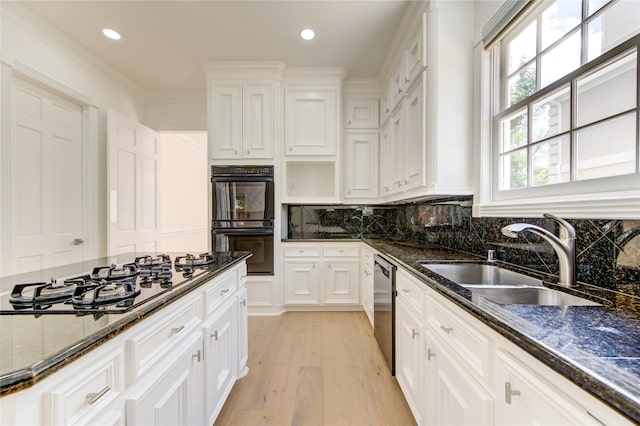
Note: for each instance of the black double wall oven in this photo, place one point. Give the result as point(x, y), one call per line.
point(243, 213)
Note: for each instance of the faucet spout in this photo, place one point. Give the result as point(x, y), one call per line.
point(564, 245)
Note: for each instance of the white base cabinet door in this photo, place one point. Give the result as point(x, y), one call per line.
point(452, 396)
point(174, 397)
point(220, 349)
point(243, 341)
point(302, 282)
point(342, 282)
point(525, 398)
point(409, 351)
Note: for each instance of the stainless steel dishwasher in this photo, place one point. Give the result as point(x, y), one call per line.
point(384, 306)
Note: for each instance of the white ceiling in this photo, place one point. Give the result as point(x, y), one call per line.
point(164, 42)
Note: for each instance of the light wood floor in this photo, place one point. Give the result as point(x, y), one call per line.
point(315, 368)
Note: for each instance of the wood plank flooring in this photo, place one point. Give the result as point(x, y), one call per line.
point(315, 369)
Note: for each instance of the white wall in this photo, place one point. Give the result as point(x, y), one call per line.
point(183, 193)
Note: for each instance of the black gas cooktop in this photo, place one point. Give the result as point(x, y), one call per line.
point(105, 289)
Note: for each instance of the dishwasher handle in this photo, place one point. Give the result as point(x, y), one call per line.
point(386, 267)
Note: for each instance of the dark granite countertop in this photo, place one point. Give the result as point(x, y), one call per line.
point(597, 348)
point(35, 346)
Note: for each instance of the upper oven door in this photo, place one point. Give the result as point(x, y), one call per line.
point(243, 202)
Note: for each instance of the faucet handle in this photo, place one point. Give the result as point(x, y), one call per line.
point(567, 231)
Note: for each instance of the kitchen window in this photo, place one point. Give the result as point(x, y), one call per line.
point(564, 100)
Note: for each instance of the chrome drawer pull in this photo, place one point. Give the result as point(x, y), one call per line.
point(430, 354)
point(214, 335)
point(508, 392)
point(244, 302)
point(406, 290)
point(92, 398)
point(447, 330)
point(414, 333)
point(224, 290)
point(177, 329)
point(196, 355)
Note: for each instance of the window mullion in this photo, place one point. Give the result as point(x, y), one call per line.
point(573, 153)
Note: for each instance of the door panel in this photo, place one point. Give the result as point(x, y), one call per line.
point(134, 182)
point(45, 198)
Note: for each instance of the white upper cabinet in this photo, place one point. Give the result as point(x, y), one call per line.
point(361, 113)
point(361, 165)
point(414, 146)
point(396, 85)
point(311, 121)
point(242, 100)
point(241, 121)
point(415, 57)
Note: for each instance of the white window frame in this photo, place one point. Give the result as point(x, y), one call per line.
point(611, 197)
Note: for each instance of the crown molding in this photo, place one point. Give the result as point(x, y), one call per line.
point(243, 70)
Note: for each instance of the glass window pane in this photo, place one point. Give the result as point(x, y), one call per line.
point(552, 115)
point(595, 5)
point(522, 85)
point(615, 25)
point(551, 161)
point(561, 60)
point(560, 18)
point(607, 91)
point(607, 149)
point(522, 48)
point(514, 131)
point(513, 170)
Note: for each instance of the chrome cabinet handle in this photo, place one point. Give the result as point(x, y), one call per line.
point(214, 335)
point(406, 290)
point(508, 392)
point(447, 330)
point(77, 241)
point(92, 398)
point(244, 302)
point(414, 333)
point(430, 354)
point(248, 151)
point(223, 291)
point(177, 329)
point(196, 355)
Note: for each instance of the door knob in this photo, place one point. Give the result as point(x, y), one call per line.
point(77, 241)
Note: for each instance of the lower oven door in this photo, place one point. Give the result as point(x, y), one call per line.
point(261, 263)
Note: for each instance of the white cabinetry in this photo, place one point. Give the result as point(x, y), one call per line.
point(311, 121)
point(366, 280)
point(241, 121)
point(361, 113)
point(172, 392)
point(175, 367)
point(361, 165)
point(326, 274)
point(410, 341)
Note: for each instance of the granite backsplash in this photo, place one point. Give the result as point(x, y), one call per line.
point(607, 251)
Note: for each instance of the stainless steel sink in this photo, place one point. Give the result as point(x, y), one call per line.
point(530, 296)
point(478, 274)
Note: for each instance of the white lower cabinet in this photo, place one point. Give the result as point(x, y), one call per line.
point(366, 281)
point(220, 352)
point(452, 396)
point(325, 274)
point(172, 392)
point(454, 370)
point(409, 353)
point(175, 367)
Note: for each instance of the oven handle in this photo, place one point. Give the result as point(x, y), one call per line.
point(252, 178)
point(250, 232)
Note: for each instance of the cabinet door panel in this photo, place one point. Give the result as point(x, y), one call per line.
point(310, 122)
point(243, 343)
point(361, 113)
point(361, 165)
point(225, 121)
point(257, 121)
point(452, 396)
point(302, 282)
point(415, 138)
point(341, 284)
point(409, 350)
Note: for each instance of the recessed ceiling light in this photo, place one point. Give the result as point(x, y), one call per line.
point(112, 34)
point(307, 34)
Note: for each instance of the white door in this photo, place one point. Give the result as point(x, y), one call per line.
point(133, 186)
point(46, 179)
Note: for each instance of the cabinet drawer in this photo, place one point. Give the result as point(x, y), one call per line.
point(302, 251)
point(411, 291)
point(341, 250)
point(90, 389)
point(164, 330)
point(458, 333)
point(219, 290)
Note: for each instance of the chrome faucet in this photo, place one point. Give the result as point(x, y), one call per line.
point(564, 245)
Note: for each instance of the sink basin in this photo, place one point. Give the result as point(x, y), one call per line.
point(478, 274)
point(530, 296)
